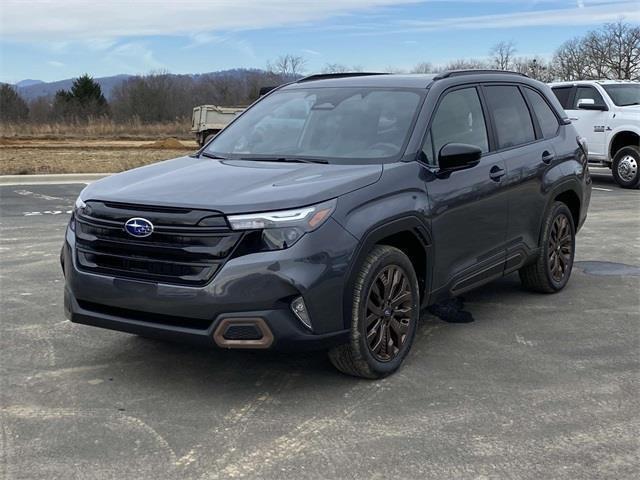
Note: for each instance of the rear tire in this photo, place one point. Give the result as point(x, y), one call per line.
point(626, 167)
point(385, 313)
point(552, 269)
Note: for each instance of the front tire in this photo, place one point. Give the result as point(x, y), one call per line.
point(552, 269)
point(626, 167)
point(385, 313)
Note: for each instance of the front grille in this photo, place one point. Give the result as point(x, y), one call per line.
point(187, 246)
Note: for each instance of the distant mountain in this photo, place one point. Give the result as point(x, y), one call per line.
point(28, 83)
point(32, 89)
point(35, 88)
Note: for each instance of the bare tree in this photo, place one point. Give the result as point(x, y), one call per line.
point(40, 109)
point(392, 69)
point(340, 68)
point(570, 62)
point(466, 64)
point(612, 52)
point(623, 59)
point(422, 67)
point(502, 54)
point(289, 65)
point(534, 67)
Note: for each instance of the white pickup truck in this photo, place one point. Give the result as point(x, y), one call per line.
point(607, 114)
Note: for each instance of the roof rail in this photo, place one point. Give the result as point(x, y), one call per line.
point(325, 76)
point(457, 73)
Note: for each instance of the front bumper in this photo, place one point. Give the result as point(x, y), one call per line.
point(257, 286)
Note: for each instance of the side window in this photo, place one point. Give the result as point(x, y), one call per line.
point(510, 115)
point(546, 118)
point(459, 119)
point(588, 92)
point(563, 94)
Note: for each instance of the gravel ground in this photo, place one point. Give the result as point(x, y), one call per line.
point(538, 387)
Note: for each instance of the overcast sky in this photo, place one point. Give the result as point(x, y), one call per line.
point(52, 40)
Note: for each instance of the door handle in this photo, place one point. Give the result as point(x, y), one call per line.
point(496, 173)
point(547, 157)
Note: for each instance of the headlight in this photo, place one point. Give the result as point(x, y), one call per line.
point(80, 205)
point(283, 228)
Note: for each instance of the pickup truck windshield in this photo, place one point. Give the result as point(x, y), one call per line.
point(331, 124)
point(624, 95)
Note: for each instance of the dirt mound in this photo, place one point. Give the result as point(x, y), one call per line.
point(168, 143)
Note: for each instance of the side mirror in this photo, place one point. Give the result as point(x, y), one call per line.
point(590, 104)
point(458, 156)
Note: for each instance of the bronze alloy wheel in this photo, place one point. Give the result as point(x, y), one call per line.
point(388, 313)
point(560, 248)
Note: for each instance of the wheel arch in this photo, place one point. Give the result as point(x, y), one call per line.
point(571, 199)
point(623, 138)
point(410, 235)
point(567, 193)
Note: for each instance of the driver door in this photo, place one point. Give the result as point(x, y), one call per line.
point(468, 207)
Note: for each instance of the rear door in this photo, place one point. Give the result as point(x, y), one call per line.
point(591, 124)
point(469, 207)
point(524, 126)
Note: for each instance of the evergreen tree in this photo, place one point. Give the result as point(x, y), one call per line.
point(84, 100)
point(12, 107)
point(86, 91)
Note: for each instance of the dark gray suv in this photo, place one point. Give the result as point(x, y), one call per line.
point(331, 212)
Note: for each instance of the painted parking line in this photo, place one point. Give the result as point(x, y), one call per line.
point(46, 212)
point(602, 189)
point(41, 196)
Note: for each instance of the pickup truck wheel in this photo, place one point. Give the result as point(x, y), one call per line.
point(552, 269)
point(385, 313)
point(626, 167)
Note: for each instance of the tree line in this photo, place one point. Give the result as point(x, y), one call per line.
point(610, 52)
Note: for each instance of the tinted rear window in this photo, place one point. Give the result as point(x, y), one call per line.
point(511, 116)
point(546, 118)
point(563, 94)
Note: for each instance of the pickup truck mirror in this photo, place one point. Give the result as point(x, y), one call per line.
point(458, 156)
point(590, 104)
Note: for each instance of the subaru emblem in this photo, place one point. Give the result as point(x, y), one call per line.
point(138, 227)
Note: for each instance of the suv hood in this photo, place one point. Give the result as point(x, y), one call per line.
point(232, 186)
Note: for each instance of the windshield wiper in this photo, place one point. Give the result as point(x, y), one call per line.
point(286, 159)
point(629, 104)
point(211, 155)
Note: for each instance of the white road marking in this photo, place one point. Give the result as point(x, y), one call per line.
point(51, 179)
point(602, 189)
point(27, 193)
point(47, 212)
point(522, 341)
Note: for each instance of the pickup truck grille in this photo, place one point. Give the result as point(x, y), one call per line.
point(187, 246)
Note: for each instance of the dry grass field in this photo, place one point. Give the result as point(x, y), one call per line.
point(100, 128)
point(99, 146)
point(37, 156)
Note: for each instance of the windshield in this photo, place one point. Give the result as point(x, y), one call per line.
point(343, 124)
point(624, 95)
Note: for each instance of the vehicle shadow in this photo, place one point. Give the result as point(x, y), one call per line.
point(180, 367)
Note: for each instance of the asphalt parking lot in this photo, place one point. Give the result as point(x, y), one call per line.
point(537, 387)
